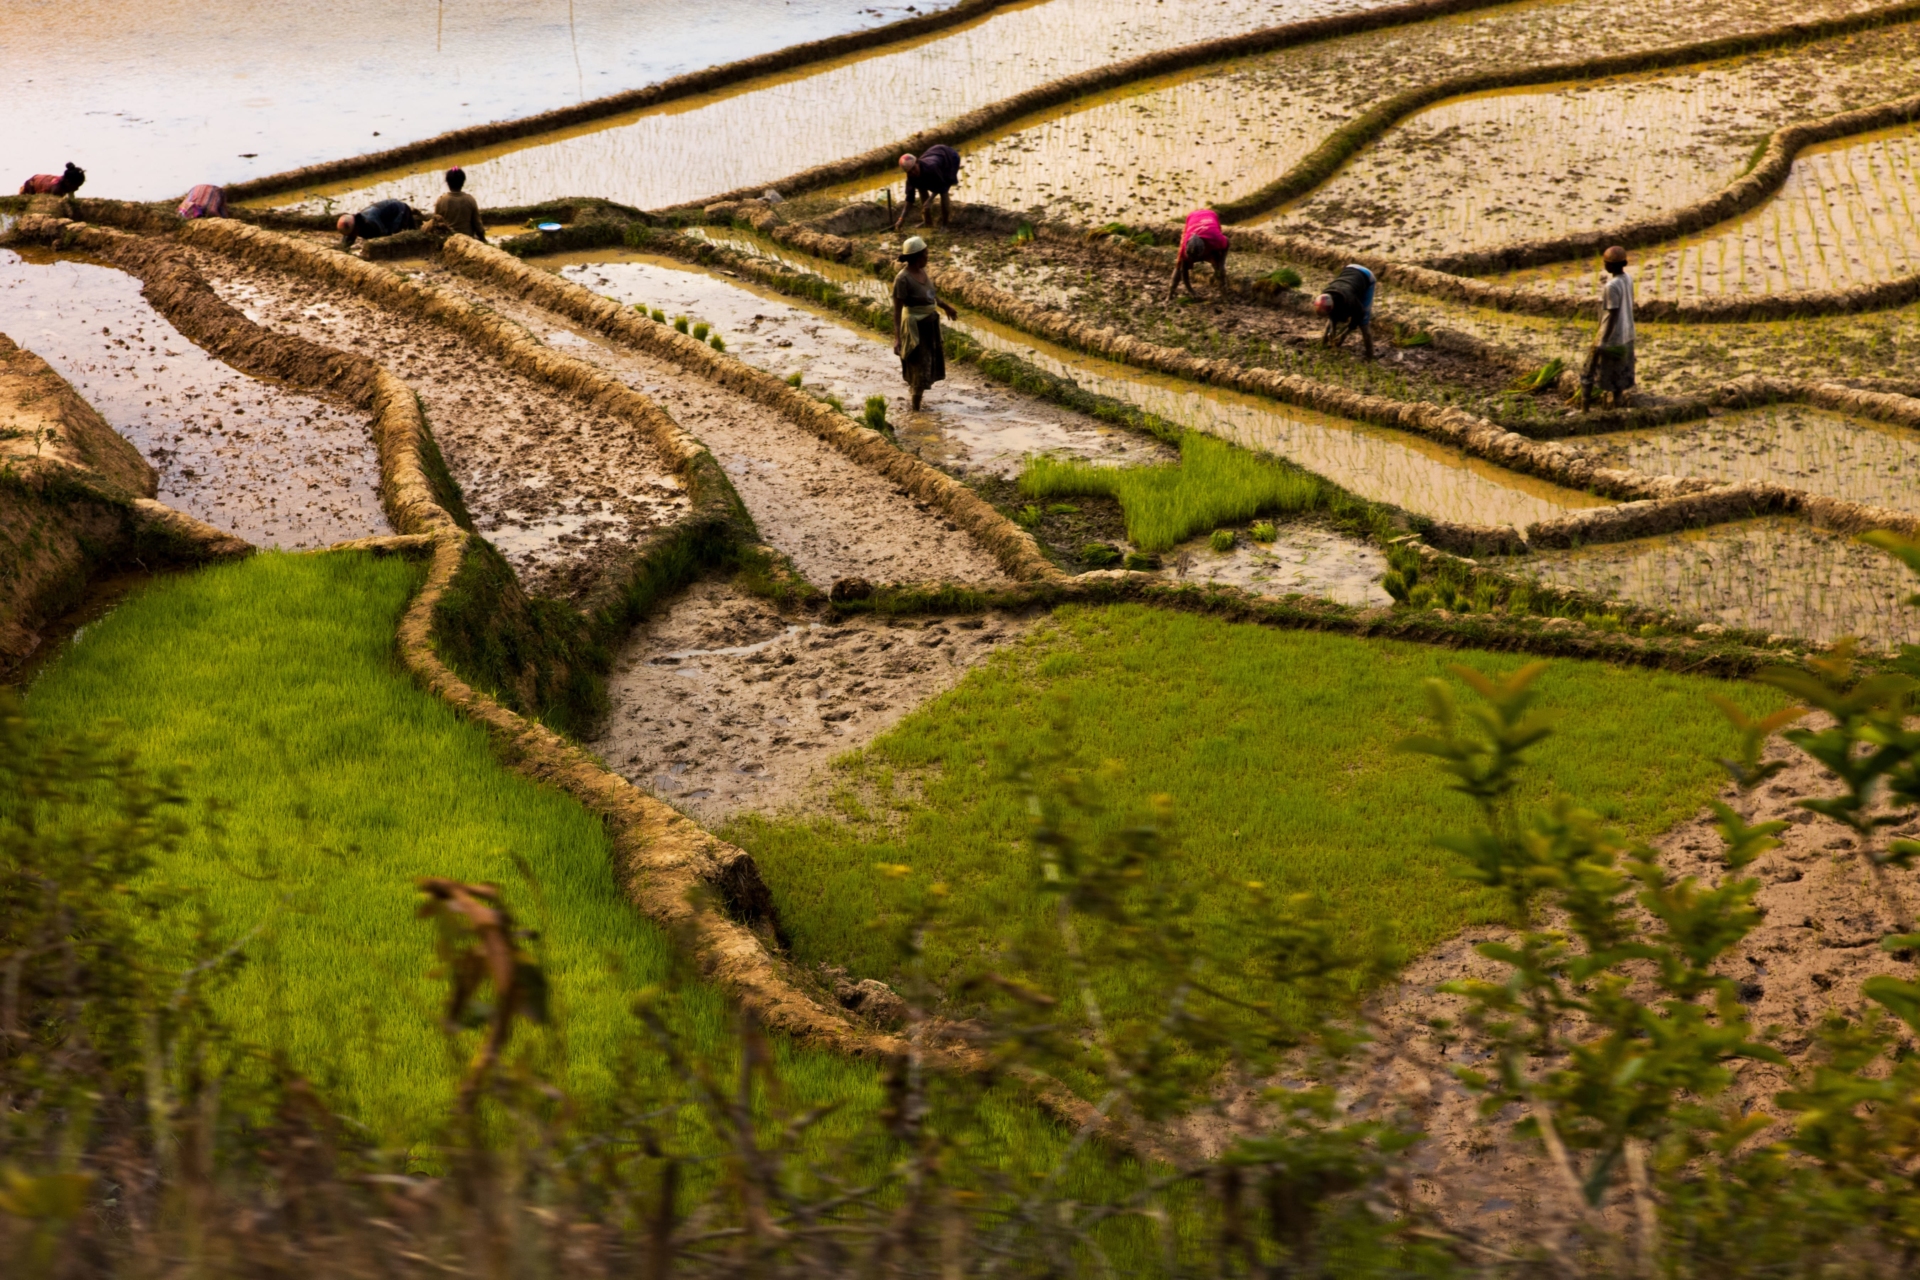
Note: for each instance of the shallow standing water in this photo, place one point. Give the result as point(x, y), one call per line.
point(277, 468)
point(769, 129)
point(152, 96)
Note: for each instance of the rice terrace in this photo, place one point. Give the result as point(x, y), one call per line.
point(983, 638)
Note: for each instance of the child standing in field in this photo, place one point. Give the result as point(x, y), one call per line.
point(1610, 363)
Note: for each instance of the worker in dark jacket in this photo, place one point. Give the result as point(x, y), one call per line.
point(387, 218)
point(932, 173)
point(1346, 304)
point(64, 183)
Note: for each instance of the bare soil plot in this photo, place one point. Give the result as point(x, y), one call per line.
point(1780, 575)
point(1303, 559)
point(274, 467)
point(562, 489)
point(1822, 452)
point(1155, 150)
point(1524, 164)
point(1848, 215)
point(774, 127)
point(832, 516)
point(722, 704)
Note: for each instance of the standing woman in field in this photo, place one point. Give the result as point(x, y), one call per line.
point(916, 321)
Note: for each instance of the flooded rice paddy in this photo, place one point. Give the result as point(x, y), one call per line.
point(276, 468)
point(152, 96)
point(768, 129)
point(1157, 148)
point(1408, 471)
point(1777, 575)
point(1848, 215)
point(1303, 559)
point(1825, 453)
point(1512, 165)
point(967, 424)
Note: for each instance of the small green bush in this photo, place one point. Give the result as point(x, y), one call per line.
point(1263, 531)
point(1222, 540)
point(717, 342)
point(835, 401)
point(875, 415)
point(1027, 517)
point(659, 316)
point(701, 330)
point(793, 379)
point(1100, 554)
point(681, 323)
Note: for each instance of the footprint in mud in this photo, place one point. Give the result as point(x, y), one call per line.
point(723, 704)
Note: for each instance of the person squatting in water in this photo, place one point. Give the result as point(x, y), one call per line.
point(916, 321)
point(64, 183)
point(1346, 304)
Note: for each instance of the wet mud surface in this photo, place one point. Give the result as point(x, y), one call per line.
point(1159, 148)
point(722, 704)
point(1816, 945)
point(276, 468)
point(967, 425)
point(1778, 575)
point(1524, 164)
point(777, 127)
point(1303, 559)
point(562, 489)
point(1822, 452)
point(122, 86)
point(1408, 471)
point(833, 517)
point(1848, 215)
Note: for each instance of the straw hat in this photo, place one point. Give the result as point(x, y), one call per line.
point(914, 245)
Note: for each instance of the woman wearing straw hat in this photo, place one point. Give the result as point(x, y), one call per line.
point(916, 321)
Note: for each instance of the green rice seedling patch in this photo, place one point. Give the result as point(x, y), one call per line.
point(1214, 483)
point(1275, 748)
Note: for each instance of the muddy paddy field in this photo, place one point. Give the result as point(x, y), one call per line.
point(993, 808)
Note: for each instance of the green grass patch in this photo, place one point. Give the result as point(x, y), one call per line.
point(273, 682)
point(1277, 748)
point(1214, 483)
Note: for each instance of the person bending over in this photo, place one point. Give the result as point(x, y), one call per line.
point(1202, 240)
point(458, 209)
point(204, 201)
point(1346, 304)
point(1610, 362)
point(930, 174)
point(64, 183)
point(916, 322)
point(386, 218)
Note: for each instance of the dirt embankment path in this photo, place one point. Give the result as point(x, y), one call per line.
point(832, 516)
point(560, 487)
point(724, 704)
